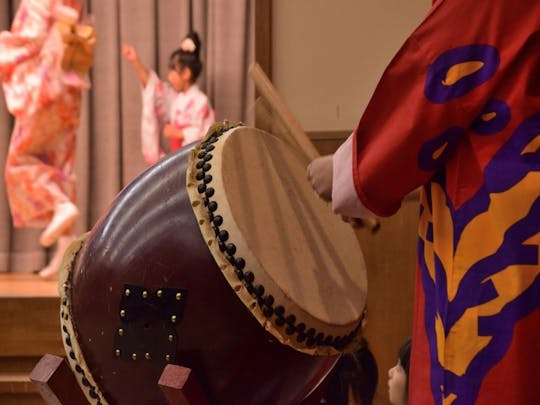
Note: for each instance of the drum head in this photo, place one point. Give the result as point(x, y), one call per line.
point(295, 264)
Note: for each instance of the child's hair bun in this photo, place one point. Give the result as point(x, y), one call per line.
point(191, 44)
point(187, 55)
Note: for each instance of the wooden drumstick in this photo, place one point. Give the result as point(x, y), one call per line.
point(265, 87)
point(269, 92)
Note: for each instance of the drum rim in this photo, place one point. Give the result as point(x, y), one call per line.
point(75, 358)
point(235, 268)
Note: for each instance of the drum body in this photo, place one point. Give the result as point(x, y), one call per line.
point(142, 290)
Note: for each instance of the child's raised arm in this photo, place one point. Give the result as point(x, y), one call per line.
point(130, 54)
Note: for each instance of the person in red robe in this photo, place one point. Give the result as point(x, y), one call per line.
point(457, 113)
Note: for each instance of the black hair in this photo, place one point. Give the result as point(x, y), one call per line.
point(405, 355)
point(356, 370)
point(183, 58)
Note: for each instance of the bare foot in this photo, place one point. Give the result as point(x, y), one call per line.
point(50, 272)
point(65, 215)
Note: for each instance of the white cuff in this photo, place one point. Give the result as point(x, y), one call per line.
point(345, 200)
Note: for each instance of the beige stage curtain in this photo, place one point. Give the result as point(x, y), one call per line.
point(108, 144)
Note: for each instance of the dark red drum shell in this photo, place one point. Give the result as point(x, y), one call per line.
point(150, 238)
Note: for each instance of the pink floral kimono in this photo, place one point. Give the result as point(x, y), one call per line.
point(189, 111)
point(45, 100)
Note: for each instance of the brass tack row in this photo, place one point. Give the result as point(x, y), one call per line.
point(147, 355)
point(159, 293)
point(123, 314)
point(121, 333)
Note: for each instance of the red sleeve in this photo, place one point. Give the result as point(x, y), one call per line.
point(434, 88)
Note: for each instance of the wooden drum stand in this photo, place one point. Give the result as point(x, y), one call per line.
point(57, 385)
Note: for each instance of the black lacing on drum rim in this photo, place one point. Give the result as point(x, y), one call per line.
point(93, 392)
point(281, 318)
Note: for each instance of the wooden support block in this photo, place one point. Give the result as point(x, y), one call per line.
point(180, 386)
point(56, 383)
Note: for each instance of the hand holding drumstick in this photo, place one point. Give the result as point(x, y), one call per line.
point(320, 175)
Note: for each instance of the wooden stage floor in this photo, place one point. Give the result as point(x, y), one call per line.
point(26, 285)
point(29, 328)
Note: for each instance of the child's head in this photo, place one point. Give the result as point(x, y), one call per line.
point(398, 376)
point(184, 63)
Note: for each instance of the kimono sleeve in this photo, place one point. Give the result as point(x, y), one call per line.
point(157, 98)
point(30, 60)
point(423, 106)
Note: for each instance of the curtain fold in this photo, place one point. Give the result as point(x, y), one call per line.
point(5, 125)
point(108, 153)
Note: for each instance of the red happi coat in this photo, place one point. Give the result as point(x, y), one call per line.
point(458, 112)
